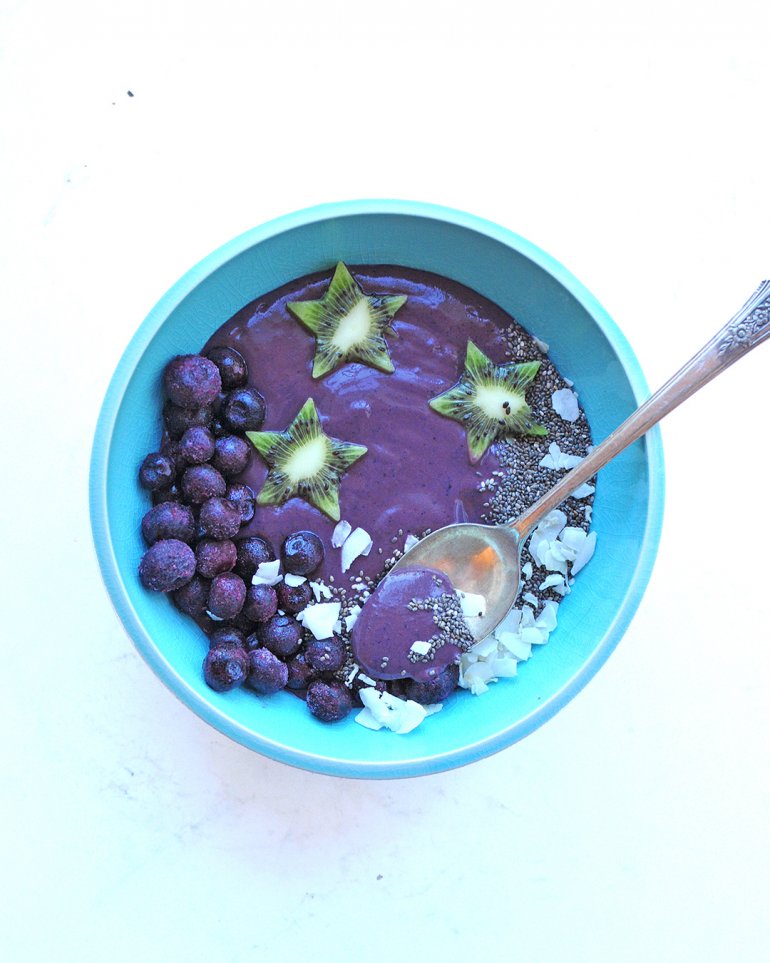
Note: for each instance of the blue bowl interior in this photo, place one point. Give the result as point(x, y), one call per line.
point(585, 345)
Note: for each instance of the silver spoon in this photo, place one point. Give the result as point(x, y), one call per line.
point(486, 559)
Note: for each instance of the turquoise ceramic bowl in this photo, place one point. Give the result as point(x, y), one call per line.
point(585, 344)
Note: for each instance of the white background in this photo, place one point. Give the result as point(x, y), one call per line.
point(631, 142)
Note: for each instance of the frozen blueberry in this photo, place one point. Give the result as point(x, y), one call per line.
point(252, 551)
point(168, 520)
point(242, 622)
point(177, 420)
point(268, 674)
point(193, 597)
point(191, 380)
point(167, 565)
point(243, 410)
point(231, 455)
point(261, 602)
point(227, 635)
point(428, 693)
point(302, 553)
point(233, 369)
point(219, 518)
point(171, 494)
point(281, 634)
point(325, 655)
point(195, 446)
point(214, 556)
point(200, 482)
point(293, 598)
point(225, 667)
point(157, 471)
point(226, 595)
point(300, 673)
point(243, 497)
point(329, 701)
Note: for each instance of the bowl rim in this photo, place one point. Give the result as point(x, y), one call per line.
point(330, 765)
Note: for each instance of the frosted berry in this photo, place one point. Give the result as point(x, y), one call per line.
point(157, 471)
point(436, 690)
point(302, 553)
point(243, 410)
point(196, 445)
point(214, 556)
point(293, 598)
point(325, 655)
point(193, 597)
point(227, 635)
point(225, 667)
point(243, 497)
point(232, 366)
point(329, 701)
point(177, 420)
point(231, 455)
point(261, 603)
point(191, 380)
point(252, 551)
point(167, 565)
point(300, 673)
point(168, 520)
point(171, 494)
point(219, 518)
point(281, 634)
point(268, 674)
point(200, 482)
point(226, 596)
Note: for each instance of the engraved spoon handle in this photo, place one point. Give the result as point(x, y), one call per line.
point(744, 331)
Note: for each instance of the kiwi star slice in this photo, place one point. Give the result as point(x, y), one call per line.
point(304, 462)
point(488, 401)
point(348, 325)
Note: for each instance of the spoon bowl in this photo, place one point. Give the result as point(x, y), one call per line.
point(486, 559)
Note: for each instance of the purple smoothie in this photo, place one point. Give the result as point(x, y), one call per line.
point(416, 474)
point(386, 628)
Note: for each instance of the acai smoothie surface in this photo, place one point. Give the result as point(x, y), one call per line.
point(322, 430)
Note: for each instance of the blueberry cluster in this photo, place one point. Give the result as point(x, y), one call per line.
point(195, 555)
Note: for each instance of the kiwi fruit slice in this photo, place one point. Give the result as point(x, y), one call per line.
point(305, 462)
point(348, 325)
point(489, 402)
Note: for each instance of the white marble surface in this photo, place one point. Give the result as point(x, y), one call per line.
point(630, 144)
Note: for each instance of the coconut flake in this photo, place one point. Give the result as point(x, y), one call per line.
point(320, 618)
point(540, 345)
point(410, 541)
point(583, 491)
point(558, 459)
point(420, 648)
point(320, 591)
point(356, 544)
point(398, 715)
point(565, 404)
point(366, 718)
point(585, 553)
point(216, 618)
point(294, 580)
point(526, 570)
point(350, 618)
point(529, 597)
point(551, 581)
point(504, 668)
point(340, 533)
point(472, 605)
point(267, 573)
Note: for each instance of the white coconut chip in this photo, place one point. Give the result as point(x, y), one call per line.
point(294, 580)
point(340, 533)
point(410, 541)
point(565, 404)
point(585, 553)
point(350, 618)
point(267, 573)
point(552, 581)
point(558, 459)
point(583, 491)
point(356, 544)
point(320, 618)
point(472, 605)
point(216, 618)
point(526, 570)
point(398, 715)
point(529, 597)
point(542, 346)
point(420, 648)
point(320, 591)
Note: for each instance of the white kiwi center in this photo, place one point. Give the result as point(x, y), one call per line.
point(307, 460)
point(353, 328)
point(492, 400)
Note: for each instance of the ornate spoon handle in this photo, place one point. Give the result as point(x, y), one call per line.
point(748, 328)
